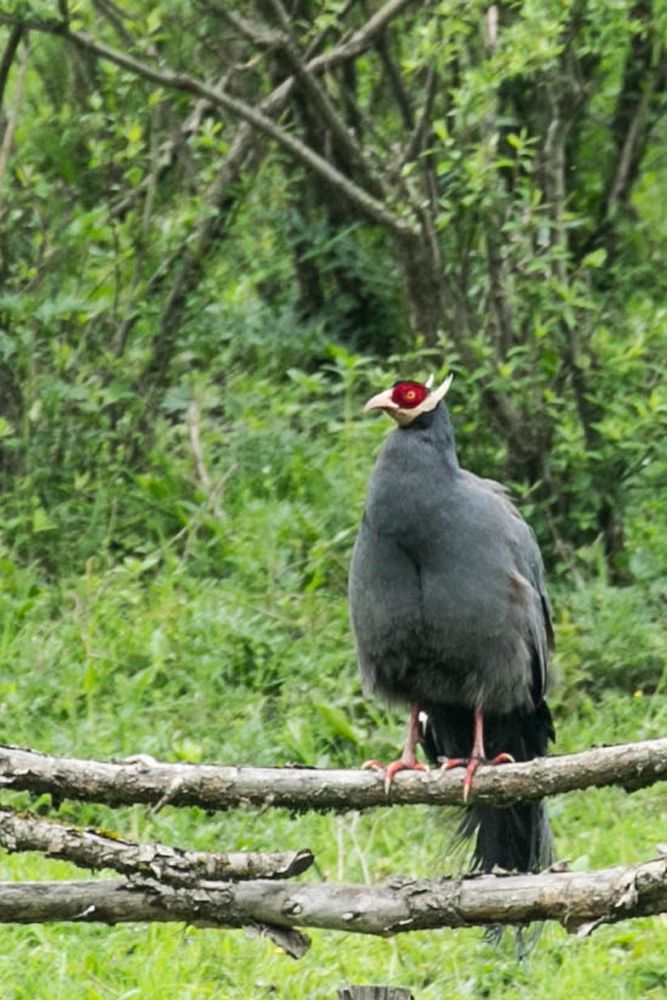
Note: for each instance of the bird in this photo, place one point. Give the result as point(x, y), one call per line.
point(451, 617)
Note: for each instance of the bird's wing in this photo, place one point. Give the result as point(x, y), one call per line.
point(384, 593)
point(529, 564)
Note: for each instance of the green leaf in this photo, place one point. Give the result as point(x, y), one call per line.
point(336, 722)
point(41, 521)
point(595, 258)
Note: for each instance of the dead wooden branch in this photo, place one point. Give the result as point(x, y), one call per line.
point(95, 849)
point(193, 421)
point(166, 884)
point(631, 766)
point(374, 993)
point(578, 900)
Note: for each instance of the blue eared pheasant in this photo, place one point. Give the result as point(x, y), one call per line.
point(451, 617)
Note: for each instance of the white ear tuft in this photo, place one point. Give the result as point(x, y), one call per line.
point(442, 390)
point(434, 397)
point(429, 381)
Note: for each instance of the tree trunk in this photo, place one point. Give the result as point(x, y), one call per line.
point(420, 263)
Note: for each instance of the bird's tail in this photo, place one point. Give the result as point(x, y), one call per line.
point(517, 837)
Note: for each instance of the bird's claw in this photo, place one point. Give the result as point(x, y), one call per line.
point(447, 763)
point(471, 765)
point(392, 769)
point(372, 765)
point(401, 765)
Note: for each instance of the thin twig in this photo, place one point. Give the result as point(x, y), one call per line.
point(193, 420)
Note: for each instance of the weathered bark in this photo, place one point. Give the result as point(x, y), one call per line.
point(374, 993)
point(631, 766)
point(577, 900)
point(96, 849)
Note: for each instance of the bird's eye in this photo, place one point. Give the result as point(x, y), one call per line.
point(409, 394)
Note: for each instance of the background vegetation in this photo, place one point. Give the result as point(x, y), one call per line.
point(194, 303)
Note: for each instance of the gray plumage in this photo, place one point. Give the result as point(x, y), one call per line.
point(450, 612)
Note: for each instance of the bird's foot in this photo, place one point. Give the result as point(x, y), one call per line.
point(405, 763)
point(471, 764)
point(447, 763)
point(502, 758)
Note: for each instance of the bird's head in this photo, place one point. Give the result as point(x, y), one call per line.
point(406, 400)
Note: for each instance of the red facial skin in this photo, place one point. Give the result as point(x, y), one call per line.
point(407, 395)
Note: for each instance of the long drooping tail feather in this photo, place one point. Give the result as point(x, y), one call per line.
point(517, 837)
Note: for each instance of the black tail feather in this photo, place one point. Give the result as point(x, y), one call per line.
point(515, 838)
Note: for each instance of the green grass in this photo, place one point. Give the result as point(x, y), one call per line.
point(150, 659)
point(201, 639)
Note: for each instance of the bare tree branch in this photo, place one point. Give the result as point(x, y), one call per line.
point(401, 94)
point(577, 900)
point(631, 766)
point(257, 34)
point(345, 143)
point(7, 133)
point(371, 207)
point(352, 47)
point(632, 147)
point(99, 849)
point(8, 56)
point(190, 255)
point(362, 38)
point(417, 137)
point(213, 493)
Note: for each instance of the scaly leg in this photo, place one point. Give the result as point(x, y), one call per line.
point(408, 759)
point(477, 756)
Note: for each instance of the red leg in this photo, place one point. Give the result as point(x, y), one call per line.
point(408, 759)
point(477, 756)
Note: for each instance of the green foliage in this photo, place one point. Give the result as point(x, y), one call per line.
point(157, 313)
point(226, 639)
point(252, 663)
point(546, 309)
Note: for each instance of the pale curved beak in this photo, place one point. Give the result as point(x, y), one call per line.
point(382, 401)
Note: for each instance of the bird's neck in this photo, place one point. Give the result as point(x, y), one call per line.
point(435, 428)
point(414, 476)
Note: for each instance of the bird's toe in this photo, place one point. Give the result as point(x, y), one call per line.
point(401, 765)
point(447, 763)
point(468, 777)
point(372, 765)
